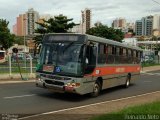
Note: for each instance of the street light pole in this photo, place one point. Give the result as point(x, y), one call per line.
point(24, 33)
point(25, 51)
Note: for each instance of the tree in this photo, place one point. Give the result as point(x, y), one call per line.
point(58, 24)
point(106, 32)
point(19, 40)
point(6, 38)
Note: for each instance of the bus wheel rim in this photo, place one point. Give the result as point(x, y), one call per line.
point(127, 82)
point(96, 88)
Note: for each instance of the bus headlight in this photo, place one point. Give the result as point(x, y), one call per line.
point(39, 79)
point(72, 85)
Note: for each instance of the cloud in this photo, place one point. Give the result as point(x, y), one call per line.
point(102, 10)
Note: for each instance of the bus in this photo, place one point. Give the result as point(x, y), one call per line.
point(2, 56)
point(82, 64)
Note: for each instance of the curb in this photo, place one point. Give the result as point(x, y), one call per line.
point(8, 82)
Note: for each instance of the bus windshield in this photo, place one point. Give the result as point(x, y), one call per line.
point(64, 58)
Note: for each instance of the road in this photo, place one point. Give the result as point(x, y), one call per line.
point(25, 98)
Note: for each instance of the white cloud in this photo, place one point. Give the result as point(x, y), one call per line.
point(102, 10)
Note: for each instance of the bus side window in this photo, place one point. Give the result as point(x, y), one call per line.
point(117, 55)
point(102, 53)
point(124, 55)
point(110, 56)
point(90, 61)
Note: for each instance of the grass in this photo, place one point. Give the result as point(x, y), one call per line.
point(4, 67)
point(147, 64)
point(144, 112)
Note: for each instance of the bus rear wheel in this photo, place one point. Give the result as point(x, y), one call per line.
point(96, 89)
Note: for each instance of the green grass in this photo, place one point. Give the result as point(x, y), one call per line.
point(148, 65)
point(144, 112)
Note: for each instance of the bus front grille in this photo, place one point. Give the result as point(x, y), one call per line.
point(55, 77)
point(54, 82)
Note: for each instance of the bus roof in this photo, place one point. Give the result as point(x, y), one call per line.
point(100, 39)
point(112, 42)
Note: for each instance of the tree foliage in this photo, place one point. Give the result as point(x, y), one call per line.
point(6, 38)
point(106, 32)
point(58, 24)
point(19, 40)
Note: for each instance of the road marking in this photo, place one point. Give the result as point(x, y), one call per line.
point(8, 82)
point(19, 96)
point(147, 81)
point(157, 74)
point(67, 109)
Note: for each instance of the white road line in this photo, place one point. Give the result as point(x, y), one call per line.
point(156, 74)
point(46, 113)
point(19, 96)
point(147, 81)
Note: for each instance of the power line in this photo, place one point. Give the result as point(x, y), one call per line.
point(156, 2)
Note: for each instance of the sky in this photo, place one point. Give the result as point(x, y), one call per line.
point(104, 11)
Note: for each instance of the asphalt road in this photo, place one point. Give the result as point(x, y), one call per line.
point(26, 98)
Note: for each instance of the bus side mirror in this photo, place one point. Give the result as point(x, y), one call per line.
point(15, 50)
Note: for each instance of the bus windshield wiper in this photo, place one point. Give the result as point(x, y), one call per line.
point(68, 46)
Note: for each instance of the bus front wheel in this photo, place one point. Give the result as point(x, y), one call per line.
point(96, 89)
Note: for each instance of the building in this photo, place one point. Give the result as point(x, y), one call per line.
point(130, 41)
point(119, 23)
point(31, 17)
point(138, 27)
point(156, 22)
point(25, 23)
point(15, 29)
point(76, 29)
point(21, 25)
point(98, 23)
point(86, 20)
point(130, 26)
point(42, 18)
point(156, 25)
point(144, 26)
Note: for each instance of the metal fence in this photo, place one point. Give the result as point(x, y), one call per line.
point(15, 68)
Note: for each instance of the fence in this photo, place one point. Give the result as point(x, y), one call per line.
point(25, 68)
point(150, 60)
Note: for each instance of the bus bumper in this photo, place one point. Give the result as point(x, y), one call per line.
point(59, 89)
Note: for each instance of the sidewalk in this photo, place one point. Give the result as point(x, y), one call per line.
point(16, 78)
point(151, 68)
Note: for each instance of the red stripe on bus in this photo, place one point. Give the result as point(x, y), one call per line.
point(109, 70)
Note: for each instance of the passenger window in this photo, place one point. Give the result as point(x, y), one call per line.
point(102, 54)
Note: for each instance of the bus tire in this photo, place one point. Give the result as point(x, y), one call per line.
point(96, 89)
point(127, 83)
